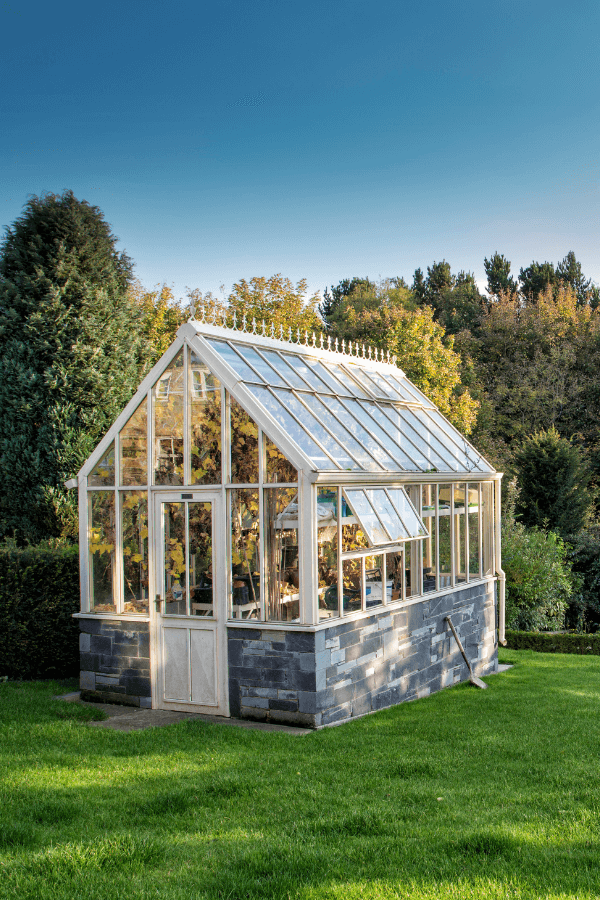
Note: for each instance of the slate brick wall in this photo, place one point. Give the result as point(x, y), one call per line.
point(355, 667)
point(115, 661)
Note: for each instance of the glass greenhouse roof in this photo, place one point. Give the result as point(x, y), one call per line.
point(345, 413)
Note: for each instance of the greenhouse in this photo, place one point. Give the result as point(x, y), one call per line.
point(276, 527)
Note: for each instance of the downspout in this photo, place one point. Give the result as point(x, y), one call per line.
point(498, 558)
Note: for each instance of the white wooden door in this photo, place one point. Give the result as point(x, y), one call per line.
point(190, 639)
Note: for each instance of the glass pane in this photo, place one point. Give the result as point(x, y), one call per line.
point(384, 388)
point(352, 585)
point(370, 389)
point(263, 368)
point(245, 554)
point(200, 559)
point(445, 548)
point(394, 573)
point(279, 468)
point(410, 562)
point(460, 539)
point(205, 423)
point(365, 438)
point(282, 572)
point(374, 581)
point(134, 530)
point(473, 531)
point(428, 493)
point(244, 446)
point(426, 441)
point(367, 413)
point(367, 517)
point(327, 552)
point(354, 386)
point(134, 447)
point(314, 427)
point(332, 422)
point(175, 593)
point(295, 431)
point(408, 391)
point(103, 473)
point(380, 501)
point(168, 424)
point(235, 361)
point(101, 536)
point(301, 366)
point(407, 512)
point(470, 458)
point(487, 518)
point(334, 384)
point(288, 372)
point(389, 418)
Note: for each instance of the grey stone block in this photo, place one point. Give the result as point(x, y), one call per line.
point(300, 641)
point(84, 642)
point(287, 695)
point(258, 702)
point(137, 685)
point(125, 650)
point(334, 715)
point(286, 717)
point(87, 681)
point(252, 712)
point(144, 645)
point(244, 634)
point(89, 662)
point(146, 702)
point(290, 705)
point(91, 626)
point(307, 702)
point(100, 644)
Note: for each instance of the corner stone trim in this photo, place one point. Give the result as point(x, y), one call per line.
point(115, 662)
point(353, 668)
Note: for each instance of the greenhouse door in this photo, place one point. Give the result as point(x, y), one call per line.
point(189, 633)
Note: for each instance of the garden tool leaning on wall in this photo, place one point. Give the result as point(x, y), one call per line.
point(472, 677)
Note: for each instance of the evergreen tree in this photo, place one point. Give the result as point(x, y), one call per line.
point(569, 273)
point(555, 483)
point(536, 278)
point(71, 356)
point(499, 279)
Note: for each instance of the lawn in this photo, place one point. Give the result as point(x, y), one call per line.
point(486, 794)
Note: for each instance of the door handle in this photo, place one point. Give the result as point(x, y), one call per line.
point(158, 602)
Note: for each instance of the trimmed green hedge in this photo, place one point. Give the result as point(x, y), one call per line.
point(39, 592)
point(544, 642)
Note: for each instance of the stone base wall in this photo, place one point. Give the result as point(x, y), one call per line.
point(115, 661)
point(356, 667)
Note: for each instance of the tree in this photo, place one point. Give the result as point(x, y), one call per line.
point(499, 279)
point(160, 316)
point(71, 356)
point(555, 483)
point(332, 301)
point(568, 272)
point(275, 301)
point(455, 299)
point(385, 315)
point(535, 279)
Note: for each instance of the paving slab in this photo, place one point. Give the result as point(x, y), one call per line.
point(504, 667)
point(130, 718)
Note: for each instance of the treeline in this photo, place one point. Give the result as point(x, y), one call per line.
point(515, 368)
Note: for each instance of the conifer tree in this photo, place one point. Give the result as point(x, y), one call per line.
point(71, 355)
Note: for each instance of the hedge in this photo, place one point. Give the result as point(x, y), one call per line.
point(39, 592)
point(546, 642)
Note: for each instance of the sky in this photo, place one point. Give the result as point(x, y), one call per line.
point(322, 140)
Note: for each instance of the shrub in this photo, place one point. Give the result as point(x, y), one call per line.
point(554, 643)
point(538, 577)
point(39, 592)
point(584, 555)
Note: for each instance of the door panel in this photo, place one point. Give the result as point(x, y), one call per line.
point(190, 615)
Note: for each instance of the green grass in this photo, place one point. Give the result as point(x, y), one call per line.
point(467, 794)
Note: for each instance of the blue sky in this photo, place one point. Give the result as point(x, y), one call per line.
point(323, 140)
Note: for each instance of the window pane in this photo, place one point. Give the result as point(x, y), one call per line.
point(101, 535)
point(364, 436)
point(279, 468)
point(385, 388)
point(134, 447)
point(244, 446)
point(327, 552)
point(205, 423)
point(354, 386)
point(301, 366)
point(374, 581)
point(168, 424)
point(406, 511)
point(295, 431)
point(245, 555)
point(410, 562)
point(375, 423)
point(416, 449)
point(426, 440)
point(445, 549)
point(370, 388)
point(280, 365)
point(134, 530)
point(352, 582)
point(394, 574)
point(408, 391)
point(257, 362)
point(175, 592)
point(389, 517)
point(473, 512)
point(332, 422)
point(103, 473)
point(200, 559)
point(429, 544)
point(487, 514)
point(282, 572)
point(470, 458)
point(367, 517)
point(235, 361)
point(460, 525)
